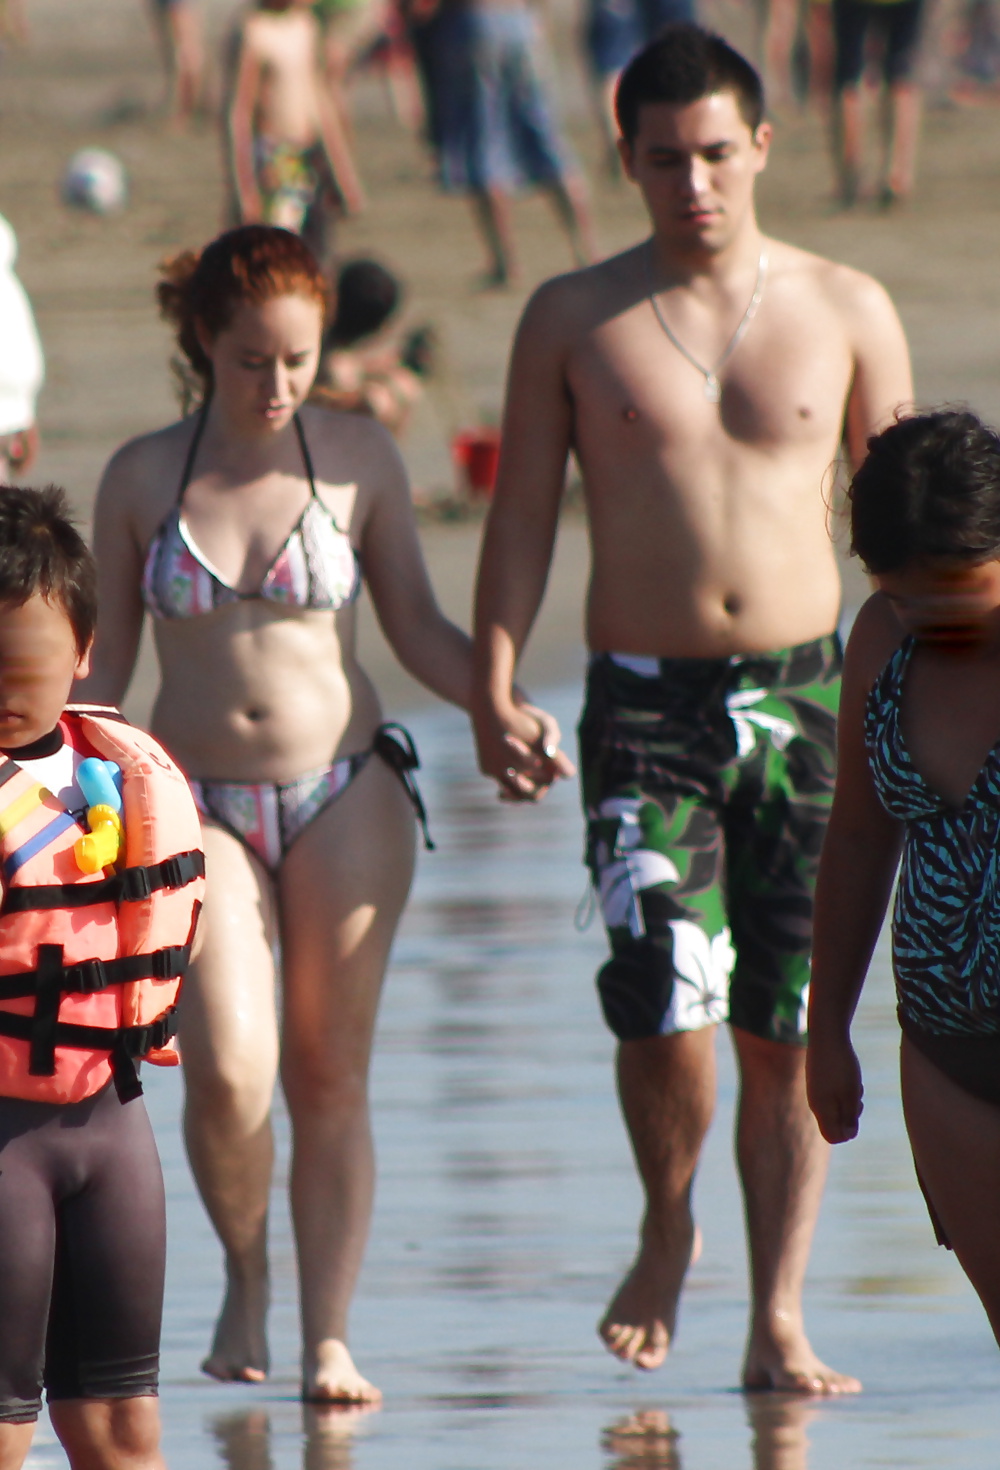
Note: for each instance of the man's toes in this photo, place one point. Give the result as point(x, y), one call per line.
point(838, 1382)
point(622, 1339)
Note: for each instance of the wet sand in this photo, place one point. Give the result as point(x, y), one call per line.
point(507, 1200)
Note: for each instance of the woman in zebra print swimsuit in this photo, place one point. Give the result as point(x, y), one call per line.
point(919, 780)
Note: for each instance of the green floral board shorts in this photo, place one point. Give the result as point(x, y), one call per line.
point(707, 786)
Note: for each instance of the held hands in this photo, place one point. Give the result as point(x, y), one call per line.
point(833, 1087)
point(519, 749)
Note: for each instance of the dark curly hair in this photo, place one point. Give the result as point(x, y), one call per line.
point(930, 486)
point(684, 64)
point(41, 551)
point(251, 263)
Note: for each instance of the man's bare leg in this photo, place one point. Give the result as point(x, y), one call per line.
point(667, 1091)
point(494, 215)
point(782, 1161)
point(572, 204)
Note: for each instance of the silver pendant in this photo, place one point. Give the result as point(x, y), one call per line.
point(713, 388)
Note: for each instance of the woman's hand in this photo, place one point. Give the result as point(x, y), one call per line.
point(833, 1087)
point(518, 747)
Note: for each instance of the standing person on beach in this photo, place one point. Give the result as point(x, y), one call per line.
point(244, 531)
point(22, 368)
point(705, 419)
point(898, 24)
point(292, 163)
point(492, 124)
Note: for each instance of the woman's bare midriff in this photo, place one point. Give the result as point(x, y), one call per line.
point(255, 692)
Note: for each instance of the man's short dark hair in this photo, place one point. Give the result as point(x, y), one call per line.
point(42, 551)
point(367, 296)
point(684, 64)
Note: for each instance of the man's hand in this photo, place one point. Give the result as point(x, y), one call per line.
point(518, 747)
point(833, 1086)
point(22, 449)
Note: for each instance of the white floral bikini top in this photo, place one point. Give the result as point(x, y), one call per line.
point(317, 567)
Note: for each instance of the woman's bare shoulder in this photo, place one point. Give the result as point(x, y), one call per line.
point(142, 478)
point(346, 446)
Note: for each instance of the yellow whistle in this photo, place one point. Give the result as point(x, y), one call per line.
point(102, 846)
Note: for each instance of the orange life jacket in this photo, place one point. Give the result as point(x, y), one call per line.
point(91, 964)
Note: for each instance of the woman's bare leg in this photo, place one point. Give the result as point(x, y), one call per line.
point(956, 1144)
point(229, 1045)
point(342, 889)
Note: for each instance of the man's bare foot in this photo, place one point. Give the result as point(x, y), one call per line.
point(239, 1347)
point(639, 1323)
point(784, 1362)
point(333, 1378)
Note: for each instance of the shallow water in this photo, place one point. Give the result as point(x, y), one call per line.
point(507, 1208)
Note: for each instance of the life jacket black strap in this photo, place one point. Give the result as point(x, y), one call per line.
point(89, 976)
point(125, 1044)
point(128, 886)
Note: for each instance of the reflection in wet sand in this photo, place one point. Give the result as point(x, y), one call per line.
point(643, 1441)
point(648, 1440)
point(243, 1440)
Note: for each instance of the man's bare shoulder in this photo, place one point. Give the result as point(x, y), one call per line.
point(566, 307)
point(853, 294)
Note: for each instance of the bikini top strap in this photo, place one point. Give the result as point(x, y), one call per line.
point(199, 429)
point(306, 456)
point(307, 461)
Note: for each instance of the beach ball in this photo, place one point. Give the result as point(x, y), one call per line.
point(95, 179)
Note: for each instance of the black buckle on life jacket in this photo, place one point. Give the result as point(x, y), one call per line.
point(45, 1021)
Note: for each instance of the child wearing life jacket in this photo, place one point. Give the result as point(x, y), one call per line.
point(101, 876)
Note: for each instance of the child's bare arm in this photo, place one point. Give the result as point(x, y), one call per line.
point(241, 117)
point(860, 854)
point(338, 152)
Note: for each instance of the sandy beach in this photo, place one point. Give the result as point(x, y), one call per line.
point(507, 1198)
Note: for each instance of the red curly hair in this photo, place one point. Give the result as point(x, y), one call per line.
point(253, 263)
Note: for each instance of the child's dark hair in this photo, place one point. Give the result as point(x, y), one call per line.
point(930, 486)
point(684, 64)
point(367, 296)
point(42, 551)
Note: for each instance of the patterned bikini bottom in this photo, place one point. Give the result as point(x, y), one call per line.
point(267, 816)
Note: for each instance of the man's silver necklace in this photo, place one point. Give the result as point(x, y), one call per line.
point(713, 388)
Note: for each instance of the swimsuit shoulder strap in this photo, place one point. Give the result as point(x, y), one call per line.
point(306, 457)
point(311, 475)
point(199, 429)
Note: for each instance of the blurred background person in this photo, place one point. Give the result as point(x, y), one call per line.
point(292, 161)
point(22, 367)
point(614, 30)
point(895, 27)
point(491, 122)
point(178, 30)
point(364, 367)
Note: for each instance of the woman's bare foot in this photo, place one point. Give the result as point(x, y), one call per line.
point(333, 1379)
point(639, 1323)
point(780, 1358)
point(239, 1347)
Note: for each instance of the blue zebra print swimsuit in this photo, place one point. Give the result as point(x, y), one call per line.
point(946, 921)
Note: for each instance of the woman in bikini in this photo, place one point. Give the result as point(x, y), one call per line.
point(919, 777)
point(307, 801)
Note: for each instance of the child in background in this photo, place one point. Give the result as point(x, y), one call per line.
point(90, 965)
point(292, 162)
point(361, 369)
point(919, 776)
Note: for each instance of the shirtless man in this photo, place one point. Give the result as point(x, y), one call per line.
point(285, 131)
point(705, 380)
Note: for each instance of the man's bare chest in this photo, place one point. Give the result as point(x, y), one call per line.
point(785, 385)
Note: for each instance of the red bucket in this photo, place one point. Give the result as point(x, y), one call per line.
point(476, 452)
